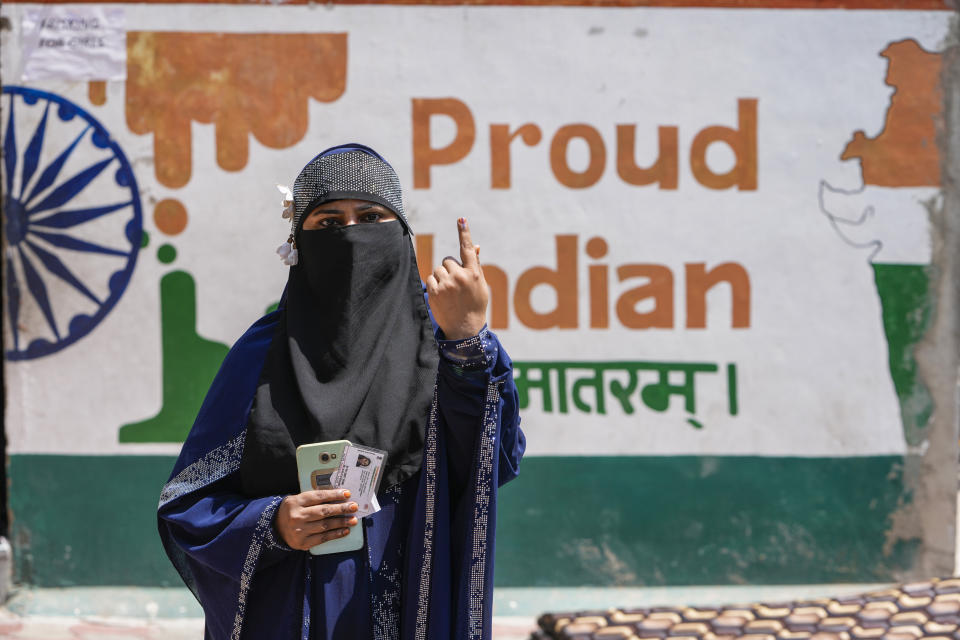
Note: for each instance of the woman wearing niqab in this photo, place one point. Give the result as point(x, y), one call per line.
point(352, 353)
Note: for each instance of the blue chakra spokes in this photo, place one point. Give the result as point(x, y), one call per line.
point(73, 222)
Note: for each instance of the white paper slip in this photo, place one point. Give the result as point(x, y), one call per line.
point(359, 472)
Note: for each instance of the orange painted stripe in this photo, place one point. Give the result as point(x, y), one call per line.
point(898, 5)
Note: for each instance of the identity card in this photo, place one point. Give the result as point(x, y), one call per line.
point(359, 472)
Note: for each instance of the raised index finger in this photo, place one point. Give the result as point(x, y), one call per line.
point(468, 257)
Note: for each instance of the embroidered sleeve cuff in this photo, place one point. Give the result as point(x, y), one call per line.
point(471, 354)
point(273, 542)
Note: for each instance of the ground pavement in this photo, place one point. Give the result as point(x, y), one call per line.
point(137, 613)
point(60, 628)
point(922, 610)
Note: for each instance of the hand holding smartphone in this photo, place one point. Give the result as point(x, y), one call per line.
point(339, 464)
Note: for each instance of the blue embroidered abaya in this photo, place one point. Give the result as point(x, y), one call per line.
point(425, 571)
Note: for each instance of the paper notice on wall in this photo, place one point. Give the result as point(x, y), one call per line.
point(75, 43)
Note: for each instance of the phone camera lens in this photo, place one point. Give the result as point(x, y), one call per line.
point(324, 457)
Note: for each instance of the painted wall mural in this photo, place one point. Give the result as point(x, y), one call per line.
point(711, 272)
point(256, 83)
point(904, 156)
point(232, 81)
point(60, 210)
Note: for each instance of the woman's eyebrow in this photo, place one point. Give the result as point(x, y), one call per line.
point(326, 210)
point(370, 205)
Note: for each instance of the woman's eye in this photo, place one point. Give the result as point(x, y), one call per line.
point(329, 222)
point(371, 217)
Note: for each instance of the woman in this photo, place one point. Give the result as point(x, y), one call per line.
point(352, 353)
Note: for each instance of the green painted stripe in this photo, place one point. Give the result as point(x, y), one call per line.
point(600, 521)
point(631, 521)
point(88, 520)
point(907, 308)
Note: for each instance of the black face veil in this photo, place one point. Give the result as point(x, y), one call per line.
point(354, 357)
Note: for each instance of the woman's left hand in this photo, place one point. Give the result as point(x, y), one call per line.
point(458, 291)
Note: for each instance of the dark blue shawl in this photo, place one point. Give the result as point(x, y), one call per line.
point(426, 572)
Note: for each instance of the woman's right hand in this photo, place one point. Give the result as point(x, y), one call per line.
point(310, 518)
